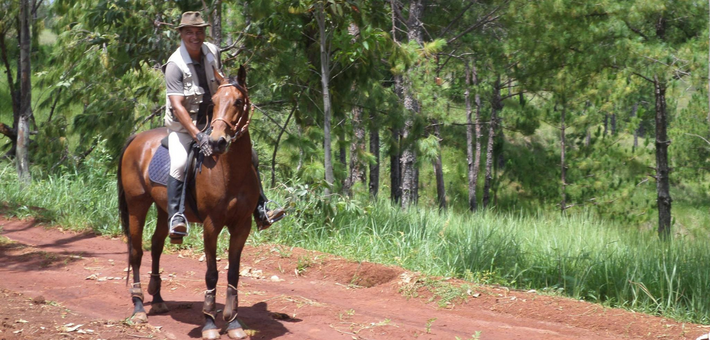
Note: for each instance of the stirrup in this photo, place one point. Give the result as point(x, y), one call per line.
point(178, 233)
point(276, 218)
point(266, 219)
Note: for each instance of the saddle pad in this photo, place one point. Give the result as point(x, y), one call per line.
point(159, 168)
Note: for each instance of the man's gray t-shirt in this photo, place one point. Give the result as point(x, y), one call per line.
point(174, 84)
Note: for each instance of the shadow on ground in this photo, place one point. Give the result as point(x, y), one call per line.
point(257, 319)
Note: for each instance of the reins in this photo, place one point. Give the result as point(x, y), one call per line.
point(234, 128)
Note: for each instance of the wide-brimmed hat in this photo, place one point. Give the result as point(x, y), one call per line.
point(193, 19)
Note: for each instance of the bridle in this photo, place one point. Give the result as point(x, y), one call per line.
point(236, 131)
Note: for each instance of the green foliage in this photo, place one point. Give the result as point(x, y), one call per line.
point(101, 75)
point(689, 136)
point(520, 117)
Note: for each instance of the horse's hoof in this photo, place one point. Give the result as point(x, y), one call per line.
point(237, 333)
point(139, 318)
point(176, 240)
point(210, 334)
point(159, 308)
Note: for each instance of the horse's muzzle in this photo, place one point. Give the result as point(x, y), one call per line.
point(221, 145)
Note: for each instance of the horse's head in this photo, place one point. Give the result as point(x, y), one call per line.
point(230, 116)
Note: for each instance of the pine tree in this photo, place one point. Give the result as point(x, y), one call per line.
point(22, 157)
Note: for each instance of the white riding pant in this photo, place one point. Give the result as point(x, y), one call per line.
point(178, 144)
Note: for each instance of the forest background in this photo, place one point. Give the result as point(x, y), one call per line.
point(559, 145)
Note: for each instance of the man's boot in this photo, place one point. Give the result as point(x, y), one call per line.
point(176, 220)
point(263, 216)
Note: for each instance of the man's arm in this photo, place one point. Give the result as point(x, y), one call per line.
point(174, 85)
point(183, 116)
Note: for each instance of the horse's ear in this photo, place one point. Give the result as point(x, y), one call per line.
point(242, 75)
point(218, 76)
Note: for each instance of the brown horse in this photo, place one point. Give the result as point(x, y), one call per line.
point(226, 191)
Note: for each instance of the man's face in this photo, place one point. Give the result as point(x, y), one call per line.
point(192, 37)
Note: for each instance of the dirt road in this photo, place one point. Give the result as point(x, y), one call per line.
point(50, 278)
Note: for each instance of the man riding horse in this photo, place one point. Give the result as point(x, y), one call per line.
point(190, 80)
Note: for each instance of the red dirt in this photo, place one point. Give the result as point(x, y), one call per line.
point(50, 278)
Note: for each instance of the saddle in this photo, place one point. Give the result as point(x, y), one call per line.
point(159, 170)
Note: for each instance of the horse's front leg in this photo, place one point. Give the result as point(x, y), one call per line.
point(237, 239)
point(158, 305)
point(210, 233)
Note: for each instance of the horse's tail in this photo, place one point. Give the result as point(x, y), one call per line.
point(123, 205)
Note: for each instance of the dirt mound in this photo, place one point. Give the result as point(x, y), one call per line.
point(359, 274)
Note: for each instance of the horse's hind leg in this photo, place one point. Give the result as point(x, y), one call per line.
point(136, 221)
point(237, 239)
point(158, 305)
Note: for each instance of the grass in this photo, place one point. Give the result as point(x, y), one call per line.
point(579, 255)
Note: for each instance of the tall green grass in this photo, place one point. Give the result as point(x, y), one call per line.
point(77, 201)
point(579, 255)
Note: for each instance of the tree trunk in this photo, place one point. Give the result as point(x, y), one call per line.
point(473, 135)
point(489, 160)
point(409, 157)
point(479, 135)
point(357, 148)
point(375, 151)
point(563, 164)
point(606, 123)
point(613, 124)
point(217, 23)
point(327, 110)
point(662, 171)
point(395, 150)
point(495, 106)
point(414, 23)
point(395, 167)
point(439, 169)
point(23, 131)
